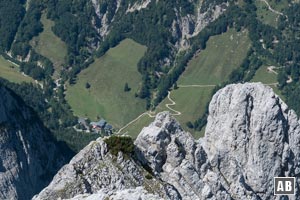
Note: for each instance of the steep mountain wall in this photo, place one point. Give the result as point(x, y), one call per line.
point(251, 137)
point(28, 156)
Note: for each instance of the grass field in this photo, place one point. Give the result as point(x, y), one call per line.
point(134, 129)
point(213, 65)
point(279, 5)
point(191, 102)
point(265, 15)
point(49, 45)
point(264, 76)
point(11, 72)
point(107, 76)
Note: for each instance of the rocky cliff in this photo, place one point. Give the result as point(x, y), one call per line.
point(251, 137)
point(184, 26)
point(187, 26)
point(96, 171)
point(28, 156)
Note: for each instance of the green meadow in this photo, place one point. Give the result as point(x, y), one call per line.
point(107, 77)
point(223, 54)
point(11, 72)
point(49, 45)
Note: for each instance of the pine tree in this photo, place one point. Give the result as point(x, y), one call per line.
point(175, 86)
point(126, 88)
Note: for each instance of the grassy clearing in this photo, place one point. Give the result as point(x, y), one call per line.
point(213, 65)
point(107, 76)
point(191, 102)
point(265, 15)
point(264, 76)
point(49, 45)
point(134, 129)
point(279, 5)
point(11, 72)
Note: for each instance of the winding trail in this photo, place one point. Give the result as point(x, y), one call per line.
point(13, 63)
point(271, 69)
point(176, 113)
point(140, 116)
point(173, 103)
point(271, 9)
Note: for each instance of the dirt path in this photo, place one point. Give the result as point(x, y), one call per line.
point(176, 113)
point(271, 84)
point(140, 116)
point(152, 114)
point(201, 86)
point(12, 62)
point(271, 9)
point(271, 69)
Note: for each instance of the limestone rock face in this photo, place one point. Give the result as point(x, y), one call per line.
point(187, 26)
point(251, 137)
point(94, 170)
point(177, 159)
point(138, 193)
point(28, 155)
point(184, 26)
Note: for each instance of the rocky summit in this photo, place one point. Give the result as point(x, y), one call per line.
point(251, 137)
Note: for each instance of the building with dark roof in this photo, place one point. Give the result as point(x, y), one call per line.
point(99, 124)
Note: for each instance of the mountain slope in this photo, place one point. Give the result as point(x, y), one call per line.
point(95, 170)
point(28, 155)
point(251, 137)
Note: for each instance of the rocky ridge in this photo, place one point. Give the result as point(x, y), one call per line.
point(251, 137)
point(188, 26)
point(184, 26)
point(94, 170)
point(137, 6)
point(28, 155)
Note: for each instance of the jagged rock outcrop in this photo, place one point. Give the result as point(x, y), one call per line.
point(137, 6)
point(102, 23)
point(138, 193)
point(187, 26)
point(94, 170)
point(28, 155)
point(177, 159)
point(251, 137)
point(184, 26)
